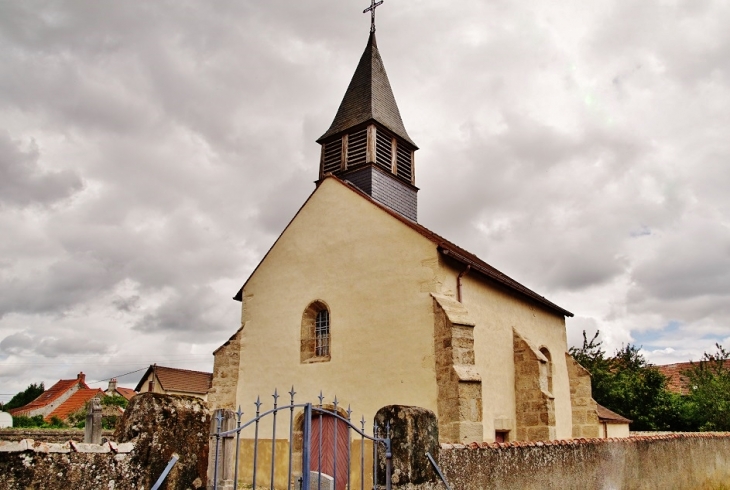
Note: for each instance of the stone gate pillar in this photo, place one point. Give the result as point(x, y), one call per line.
point(414, 431)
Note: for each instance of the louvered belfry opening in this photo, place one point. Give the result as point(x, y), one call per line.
point(367, 143)
point(331, 156)
point(357, 145)
point(404, 162)
point(384, 150)
point(350, 151)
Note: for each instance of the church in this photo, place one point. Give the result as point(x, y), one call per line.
point(356, 299)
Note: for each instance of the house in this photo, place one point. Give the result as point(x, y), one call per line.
point(60, 400)
point(612, 424)
point(677, 381)
point(357, 299)
point(173, 381)
point(114, 390)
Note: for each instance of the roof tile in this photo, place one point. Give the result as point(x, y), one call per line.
point(75, 402)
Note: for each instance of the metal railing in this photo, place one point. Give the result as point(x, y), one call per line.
point(310, 412)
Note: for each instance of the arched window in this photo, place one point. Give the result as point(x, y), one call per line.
point(315, 333)
point(549, 369)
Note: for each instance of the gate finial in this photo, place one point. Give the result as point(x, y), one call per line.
point(276, 396)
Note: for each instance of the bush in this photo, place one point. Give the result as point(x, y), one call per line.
point(115, 401)
point(28, 422)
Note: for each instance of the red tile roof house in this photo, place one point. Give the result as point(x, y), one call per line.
point(60, 400)
point(677, 381)
point(173, 381)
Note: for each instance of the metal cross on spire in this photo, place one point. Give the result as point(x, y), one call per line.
point(371, 9)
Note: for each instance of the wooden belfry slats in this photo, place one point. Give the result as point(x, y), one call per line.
point(404, 162)
point(357, 147)
point(332, 156)
point(383, 149)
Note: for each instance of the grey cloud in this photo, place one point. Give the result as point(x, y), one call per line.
point(189, 311)
point(692, 264)
point(23, 181)
point(69, 344)
point(192, 130)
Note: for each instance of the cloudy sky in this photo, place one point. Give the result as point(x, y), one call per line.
point(151, 152)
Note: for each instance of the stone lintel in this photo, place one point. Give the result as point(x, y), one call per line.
point(504, 423)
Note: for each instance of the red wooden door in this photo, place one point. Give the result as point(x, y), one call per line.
point(328, 448)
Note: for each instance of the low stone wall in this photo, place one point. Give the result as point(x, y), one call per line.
point(29, 464)
point(49, 435)
point(154, 427)
point(677, 461)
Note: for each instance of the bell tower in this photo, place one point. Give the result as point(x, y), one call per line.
point(367, 143)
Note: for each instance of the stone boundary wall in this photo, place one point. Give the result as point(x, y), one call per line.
point(48, 435)
point(153, 429)
point(676, 461)
point(33, 464)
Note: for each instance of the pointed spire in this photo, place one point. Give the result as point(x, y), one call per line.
point(368, 97)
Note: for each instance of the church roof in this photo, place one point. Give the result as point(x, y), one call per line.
point(368, 98)
point(448, 249)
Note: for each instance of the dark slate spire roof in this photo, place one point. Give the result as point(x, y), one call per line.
point(369, 97)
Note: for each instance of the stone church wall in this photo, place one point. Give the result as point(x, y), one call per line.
point(495, 312)
point(459, 384)
point(226, 365)
point(585, 416)
point(535, 405)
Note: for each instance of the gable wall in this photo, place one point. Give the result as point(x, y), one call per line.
point(375, 275)
point(495, 313)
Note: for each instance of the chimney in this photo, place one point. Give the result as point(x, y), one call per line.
point(112, 386)
point(81, 378)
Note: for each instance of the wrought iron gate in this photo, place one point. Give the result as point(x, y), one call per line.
point(312, 476)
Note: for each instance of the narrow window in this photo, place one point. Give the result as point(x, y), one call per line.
point(548, 369)
point(315, 333)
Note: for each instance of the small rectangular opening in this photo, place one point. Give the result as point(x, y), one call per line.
point(501, 436)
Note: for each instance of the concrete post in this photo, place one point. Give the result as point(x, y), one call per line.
point(92, 430)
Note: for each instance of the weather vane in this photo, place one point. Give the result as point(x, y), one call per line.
point(371, 9)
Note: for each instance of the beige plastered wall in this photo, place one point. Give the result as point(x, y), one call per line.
point(614, 430)
point(375, 275)
point(495, 312)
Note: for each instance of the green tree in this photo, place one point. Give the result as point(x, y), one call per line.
point(26, 396)
point(626, 384)
point(709, 397)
